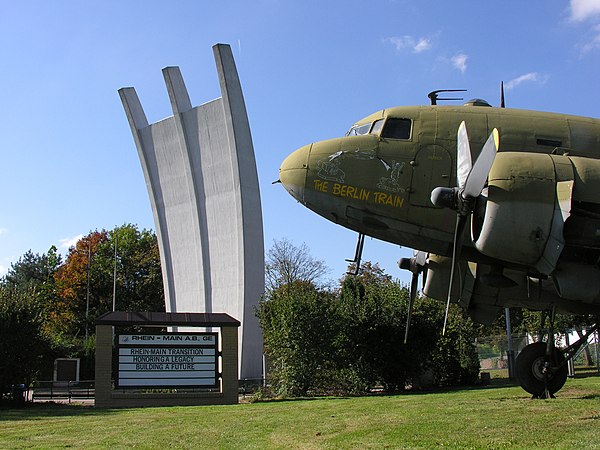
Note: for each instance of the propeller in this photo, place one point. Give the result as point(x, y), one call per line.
point(471, 179)
point(416, 265)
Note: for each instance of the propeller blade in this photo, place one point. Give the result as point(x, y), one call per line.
point(463, 156)
point(413, 294)
point(481, 169)
point(420, 257)
point(471, 178)
point(461, 222)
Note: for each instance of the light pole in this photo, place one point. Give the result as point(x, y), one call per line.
point(114, 302)
point(87, 300)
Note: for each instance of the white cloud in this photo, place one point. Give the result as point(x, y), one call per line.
point(3, 231)
point(459, 61)
point(531, 77)
point(584, 9)
point(422, 45)
point(67, 243)
point(3, 270)
point(409, 42)
point(594, 43)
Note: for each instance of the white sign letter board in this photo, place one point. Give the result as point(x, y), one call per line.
point(168, 360)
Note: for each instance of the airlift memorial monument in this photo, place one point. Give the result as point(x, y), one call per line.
point(201, 176)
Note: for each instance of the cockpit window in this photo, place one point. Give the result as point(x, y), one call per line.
point(377, 125)
point(397, 129)
point(359, 130)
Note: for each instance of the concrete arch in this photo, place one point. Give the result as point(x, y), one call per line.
point(201, 176)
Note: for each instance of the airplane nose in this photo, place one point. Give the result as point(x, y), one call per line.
point(293, 170)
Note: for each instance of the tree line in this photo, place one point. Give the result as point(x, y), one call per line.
point(320, 337)
point(48, 306)
point(349, 338)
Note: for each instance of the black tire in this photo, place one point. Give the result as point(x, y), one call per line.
point(529, 365)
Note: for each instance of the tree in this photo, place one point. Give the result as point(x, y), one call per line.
point(455, 360)
point(33, 276)
point(25, 350)
point(285, 264)
point(33, 269)
point(298, 335)
point(139, 278)
point(370, 339)
point(139, 284)
point(352, 339)
point(85, 285)
point(74, 312)
point(370, 274)
point(49, 299)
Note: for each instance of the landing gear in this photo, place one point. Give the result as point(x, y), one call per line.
point(537, 376)
point(541, 368)
point(357, 255)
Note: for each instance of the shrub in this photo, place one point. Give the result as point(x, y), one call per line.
point(24, 348)
point(352, 341)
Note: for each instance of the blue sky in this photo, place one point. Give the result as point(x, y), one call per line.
point(309, 69)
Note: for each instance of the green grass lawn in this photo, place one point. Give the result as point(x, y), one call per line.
point(496, 416)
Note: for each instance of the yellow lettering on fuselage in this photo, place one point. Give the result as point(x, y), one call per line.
point(321, 185)
point(345, 190)
point(382, 198)
point(360, 194)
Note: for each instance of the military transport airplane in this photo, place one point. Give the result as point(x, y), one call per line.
point(518, 227)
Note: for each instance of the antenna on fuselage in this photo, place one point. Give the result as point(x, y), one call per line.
point(433, 95)
point(502, 104)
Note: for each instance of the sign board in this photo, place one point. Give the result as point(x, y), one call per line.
point(168, 360)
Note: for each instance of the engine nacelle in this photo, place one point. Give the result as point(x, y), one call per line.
point(529, 198)
point(437, 279)
point(516, 220)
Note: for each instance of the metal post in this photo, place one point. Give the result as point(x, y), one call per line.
point(114, 302)
point(570, 362)
point(509, 352)
point(114, 299)
point(596, 335)
point(87, 301)
point(264, 370)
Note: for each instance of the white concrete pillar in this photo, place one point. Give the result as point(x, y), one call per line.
point(201, 177)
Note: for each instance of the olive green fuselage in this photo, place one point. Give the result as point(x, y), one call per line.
point(538, 218)
point(381, 186)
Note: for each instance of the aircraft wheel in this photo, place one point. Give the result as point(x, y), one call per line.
point(529, 370)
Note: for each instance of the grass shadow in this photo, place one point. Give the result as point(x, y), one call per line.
point(303, 399)
point(586, 374)
point(496, 383)
point(591, 397)
point(34, 411)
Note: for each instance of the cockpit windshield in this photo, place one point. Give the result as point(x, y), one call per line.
point(359, 130)
point(367, 128)
point(394, 128)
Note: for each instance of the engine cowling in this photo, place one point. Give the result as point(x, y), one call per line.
point(529, 198)
point(514, 222)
